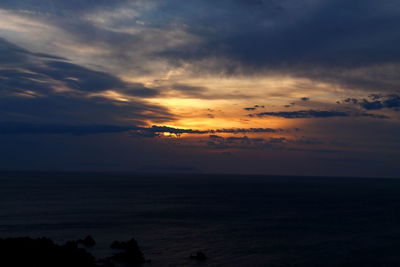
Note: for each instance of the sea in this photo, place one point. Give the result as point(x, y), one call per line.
point(236, 220)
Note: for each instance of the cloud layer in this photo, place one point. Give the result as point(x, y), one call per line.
point(48, 89)
point(87, 74)
point(302, 114)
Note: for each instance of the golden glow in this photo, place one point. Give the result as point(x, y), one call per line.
point(222, 104)
point(113, 95)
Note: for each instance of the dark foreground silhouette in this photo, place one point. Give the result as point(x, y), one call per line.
point(87, 241)
point(43, 252)
point(130, 252)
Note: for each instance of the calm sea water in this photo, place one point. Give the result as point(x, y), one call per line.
point(235, 220)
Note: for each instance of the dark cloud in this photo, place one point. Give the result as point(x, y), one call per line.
point(37, 128)
point(171, 130)
point(30, 92)
point(254, 107)
point(139, 90)
point(377, 102)
point(324, 37)
point(12, 55)
point(83, 79)
point(375, 96)
point(302, 144)
point(321, 40)
point(15, 81)
point(248, 130)
point(303, 99)
point(80, 78)
point(389, 101)
point(13, 128)
point(300, 114)
point(371, 105)
point(351, 100)
point(166, 129)
point(57, 109)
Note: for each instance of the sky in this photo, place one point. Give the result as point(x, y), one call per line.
point(288, 87)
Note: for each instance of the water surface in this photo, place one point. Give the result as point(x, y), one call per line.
point(235, 220)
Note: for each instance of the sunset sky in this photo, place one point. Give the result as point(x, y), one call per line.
point(288, 87)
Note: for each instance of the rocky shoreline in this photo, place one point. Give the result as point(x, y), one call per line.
point(43, 252)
